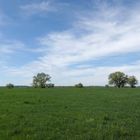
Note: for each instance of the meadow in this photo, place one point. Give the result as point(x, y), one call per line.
point(70, 114)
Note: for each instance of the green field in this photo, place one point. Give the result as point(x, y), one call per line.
point(70, 114)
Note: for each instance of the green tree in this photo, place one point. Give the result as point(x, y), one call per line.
point(10, 85)
point(118, 79)
point(79, 85)
point(40, 80)
point(132, 81)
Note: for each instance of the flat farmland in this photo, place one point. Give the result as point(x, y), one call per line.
point(70, 114)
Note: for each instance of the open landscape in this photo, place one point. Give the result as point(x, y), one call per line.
point(70, 70)
point(93, 113)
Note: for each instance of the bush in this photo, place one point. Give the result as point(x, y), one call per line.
point(80, 85)
point(107, 86)
point(50, 85)
point(10, 85)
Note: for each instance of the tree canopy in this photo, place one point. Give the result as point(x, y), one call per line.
point(118, 79)
point(132, 81)
point(40, 80)
point(10, 85)
point(79, 85)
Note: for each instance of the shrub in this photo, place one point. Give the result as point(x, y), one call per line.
point(107, 86)
point(80, 85)
point(50, 85)
point(10, 85)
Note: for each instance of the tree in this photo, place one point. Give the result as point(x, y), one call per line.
point(80, 85)
point(10, 85)
point(40, 80)
point(132, 81)
point(119, 79)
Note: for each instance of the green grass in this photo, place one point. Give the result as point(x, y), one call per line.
point(70, 114)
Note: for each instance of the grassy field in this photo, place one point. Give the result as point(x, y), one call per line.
point(70, 114)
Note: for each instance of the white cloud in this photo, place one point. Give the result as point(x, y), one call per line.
point(8, 47)
point(66, 76)
point(102, 37)
point(108, 33)
point(35, 8)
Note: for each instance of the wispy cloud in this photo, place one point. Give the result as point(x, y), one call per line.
point(8, 47)
point(66, 76)
point(37, 8)
point(98, 34)
point(104, 35)
point(100, 38)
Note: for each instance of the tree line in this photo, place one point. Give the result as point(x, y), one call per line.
point(117, 79)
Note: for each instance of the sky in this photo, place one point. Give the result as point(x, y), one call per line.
point(71, 40)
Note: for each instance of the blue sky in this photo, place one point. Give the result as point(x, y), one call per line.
point(73, 41)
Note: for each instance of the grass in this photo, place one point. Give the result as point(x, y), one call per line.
point(70, 114)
